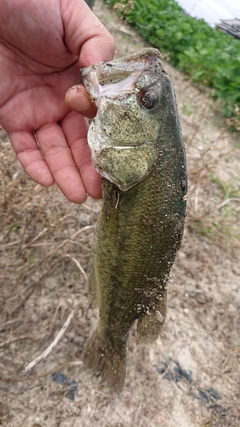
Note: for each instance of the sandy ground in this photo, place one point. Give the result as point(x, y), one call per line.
point(191, 375)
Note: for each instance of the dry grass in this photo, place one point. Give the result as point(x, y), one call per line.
point(46, 247)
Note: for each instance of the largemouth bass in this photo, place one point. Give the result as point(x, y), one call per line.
point(137, 147)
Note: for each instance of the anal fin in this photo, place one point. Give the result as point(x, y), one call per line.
point(150, 324)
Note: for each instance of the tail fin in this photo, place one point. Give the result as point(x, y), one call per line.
point(108, 358)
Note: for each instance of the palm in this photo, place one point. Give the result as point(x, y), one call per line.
point(38, 71)
point(35, 98)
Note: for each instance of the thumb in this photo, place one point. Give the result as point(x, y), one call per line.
point(85, 35)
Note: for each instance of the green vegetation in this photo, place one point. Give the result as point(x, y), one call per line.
point(223, 221)
point(204, 53)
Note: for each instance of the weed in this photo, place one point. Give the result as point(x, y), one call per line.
point(228, 187)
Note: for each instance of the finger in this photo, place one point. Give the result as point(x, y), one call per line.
point(85, 35)
point(29, 155)
point(75, 129)
point(98, 48)
point(59, 159)
point(78, 99)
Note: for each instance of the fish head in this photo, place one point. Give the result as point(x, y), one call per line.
point(123, 137)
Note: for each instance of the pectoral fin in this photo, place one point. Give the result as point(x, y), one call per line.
point(92, 288)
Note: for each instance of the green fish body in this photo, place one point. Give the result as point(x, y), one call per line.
point(137, 147)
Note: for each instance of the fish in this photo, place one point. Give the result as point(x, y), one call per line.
point(137, 146)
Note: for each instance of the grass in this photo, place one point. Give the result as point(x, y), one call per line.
point(222, 222)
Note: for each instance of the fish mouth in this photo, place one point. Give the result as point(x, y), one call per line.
point(118, 78)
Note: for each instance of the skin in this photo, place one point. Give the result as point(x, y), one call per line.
point(42, 46)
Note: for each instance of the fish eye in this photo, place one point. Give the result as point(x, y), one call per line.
point(148, 98)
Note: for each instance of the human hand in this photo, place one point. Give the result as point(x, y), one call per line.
point(42, 47)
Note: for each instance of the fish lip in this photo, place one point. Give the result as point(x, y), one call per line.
point(118, 78)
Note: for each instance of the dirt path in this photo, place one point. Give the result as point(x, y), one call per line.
point(191, 376)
